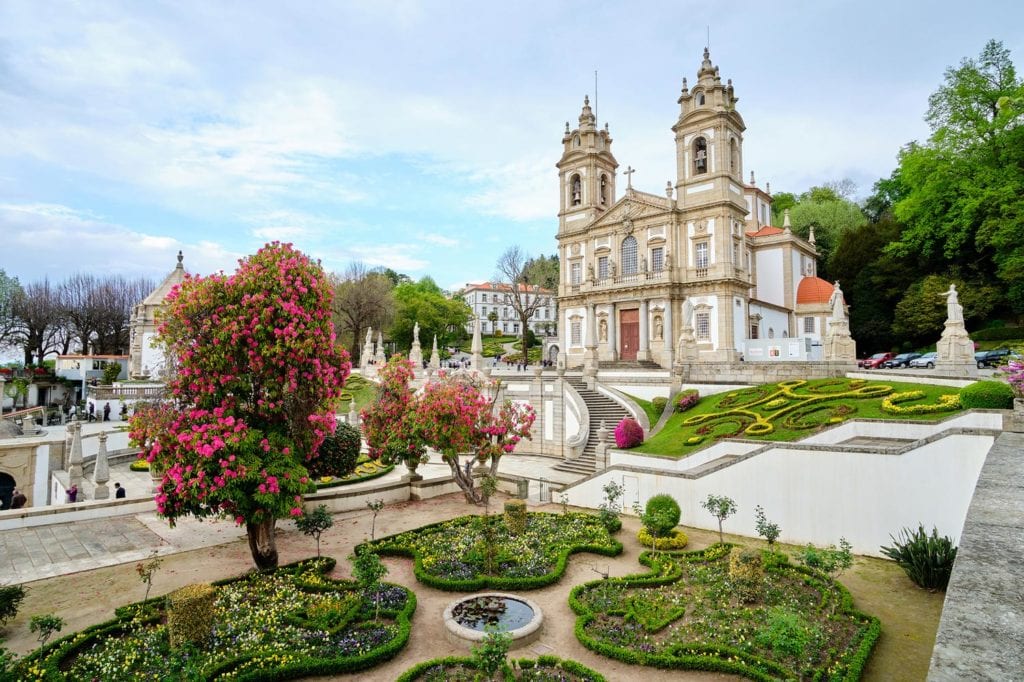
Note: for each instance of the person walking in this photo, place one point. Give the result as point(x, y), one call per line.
point(106, 412)
point(92, 411)
point(119, 492)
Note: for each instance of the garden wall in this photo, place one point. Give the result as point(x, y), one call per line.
point(816, 493)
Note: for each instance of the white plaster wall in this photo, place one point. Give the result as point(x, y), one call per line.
point(769, 276)
point(796, 261)
point(647, 392)
point(572, 419)
point(549, 420)
point(739, 322)
point(820, 496)
point(152, 358)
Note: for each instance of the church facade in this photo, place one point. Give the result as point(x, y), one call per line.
point(630, 263)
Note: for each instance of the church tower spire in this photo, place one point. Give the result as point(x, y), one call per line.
point(586, 172)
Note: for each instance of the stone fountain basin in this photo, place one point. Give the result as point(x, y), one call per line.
point(467, 637)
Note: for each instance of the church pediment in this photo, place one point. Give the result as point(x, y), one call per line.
point(632, 208)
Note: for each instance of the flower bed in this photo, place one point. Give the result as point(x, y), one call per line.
point(793, 409)
point(463, 669)
point(267, 626)
point(687, 613)
point(474, 552)
point(366, 470)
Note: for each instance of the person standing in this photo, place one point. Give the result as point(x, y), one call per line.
point(92, 411)
point(18, 500)
point(119, 492)
point(73, 494)
point(106, 412)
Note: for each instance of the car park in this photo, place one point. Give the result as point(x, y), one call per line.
point(901, 360)
point(927, 360)
point(991, 358)
point(875, 361)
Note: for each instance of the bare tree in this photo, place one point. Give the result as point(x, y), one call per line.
point(524, 298)
point(115, 300)
point(363, 298)
point(79, 296)
point(40, 318)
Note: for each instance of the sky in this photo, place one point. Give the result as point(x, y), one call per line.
point(420, 136)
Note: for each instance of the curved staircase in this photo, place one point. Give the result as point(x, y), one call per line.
point(601, 407)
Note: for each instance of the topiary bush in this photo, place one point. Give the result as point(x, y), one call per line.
point(687, 399)
point(926, 559)
point(139, 465)
point(661, 515)
point(339, 453)
point(515, 516)
point(628, 433)
point(746, 569)
point(987, 395)
point(190, 614)
point(659, 403)
point(676, 539)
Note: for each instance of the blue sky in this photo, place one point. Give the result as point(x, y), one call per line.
point(420, 136)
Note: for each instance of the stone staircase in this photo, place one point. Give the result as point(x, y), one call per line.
point(600, 407)
point(629, 364)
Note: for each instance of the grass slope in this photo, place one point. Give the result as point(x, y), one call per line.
point(785, 411)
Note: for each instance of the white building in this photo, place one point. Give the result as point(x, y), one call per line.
point(492, 305)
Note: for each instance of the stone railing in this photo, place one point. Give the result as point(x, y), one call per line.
point(126, 392)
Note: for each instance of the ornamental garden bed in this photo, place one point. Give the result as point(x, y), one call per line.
point(791, 410)
point(367, 469)
point(481, 552)
point(688, 613)
point(463, 669)
point(277, 625)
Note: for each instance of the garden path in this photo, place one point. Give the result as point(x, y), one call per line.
point(909, 616)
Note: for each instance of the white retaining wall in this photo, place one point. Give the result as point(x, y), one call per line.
point(816, 494)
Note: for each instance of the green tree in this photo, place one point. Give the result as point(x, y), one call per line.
point(314, 523)
point(367, 569)
point(363, 298)
point(425, 303)
point(542, 271)
point(10, 289)
point(921, 313)
point(721, 507)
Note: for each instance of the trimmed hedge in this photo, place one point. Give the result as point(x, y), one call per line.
point(580, 671)
point(998, 334)
point(338, 454)
point(661, 515)
point(687, 399)
point(483, 582)
point(53, 658)
point(664, 570)
point(190, 614)
point(987, 395)
point(675, 540)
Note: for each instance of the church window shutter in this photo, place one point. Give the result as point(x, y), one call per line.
point(700, 156)
point(657, 259)
point(602, 268)
point(702, 322)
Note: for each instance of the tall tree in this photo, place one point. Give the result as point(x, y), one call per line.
point(258, 380)
point(425, 303)
point(363, 298)
point(525, 298)
point(40, 319)
point(10, 289)
point(79, 296)
point(542, 271)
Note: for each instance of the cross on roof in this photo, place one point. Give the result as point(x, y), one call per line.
point(629, 176)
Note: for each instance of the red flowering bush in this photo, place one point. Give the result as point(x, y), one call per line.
point(257, 378)
point(389, 425)
point(628, 433)
point(687, 399)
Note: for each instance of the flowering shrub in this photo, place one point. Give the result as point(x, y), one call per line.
point(628, 433)
point(687, 399)
point(1014, 373)
point(389, 424)
point(545, 668)
point(256, 382)
point(891, 403)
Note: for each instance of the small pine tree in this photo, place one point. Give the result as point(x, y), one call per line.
point(314, 523)
point(721, 507)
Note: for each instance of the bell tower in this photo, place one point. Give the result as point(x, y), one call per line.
point(586, 172)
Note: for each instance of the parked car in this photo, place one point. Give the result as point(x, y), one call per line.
point(875, 361)
point(926, 360)
point(901, 360)
point(991, 358)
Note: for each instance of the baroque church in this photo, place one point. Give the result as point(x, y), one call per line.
point(633, 266)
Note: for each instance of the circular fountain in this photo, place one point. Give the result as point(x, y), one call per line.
point(467, 618)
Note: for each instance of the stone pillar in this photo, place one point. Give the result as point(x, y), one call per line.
point(613, 345)
point(353, 416)
point(75, 460)
point(955, 351)
point(601, 451)
point(558, 411)
point(590, 345)
point(476, 361)
point(3, 395)
point(379, 357)
point(416, 352)
point(435, 357)
point(65, 456)
point(367, 353)
point(644, 352)
point(667, 336)
point(102, 472)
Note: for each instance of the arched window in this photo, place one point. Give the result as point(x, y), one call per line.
point(700, 156)
point(700, 99)
point(734, 156)
point(629, 255)
point(577, 190)
point(576, 141)
point(604, 188)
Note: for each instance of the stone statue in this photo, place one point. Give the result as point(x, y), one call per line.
point(659, 328)
point(602, 328)
point(688, 314)
point(668, 261)
point(954, 311)
point(369, 335)
point(416, 333)
point(836, 303)
point(611, 267)
point(590, 272)
point(643, 263)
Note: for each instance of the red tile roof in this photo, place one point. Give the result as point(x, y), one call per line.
point(766, 231)
point(490, 286)
point(814, 290)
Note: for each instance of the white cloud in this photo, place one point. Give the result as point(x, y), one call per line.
point(398, 257)
point(439, 239)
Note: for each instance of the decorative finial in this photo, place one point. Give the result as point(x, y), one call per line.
point(668, 189)
point(785, 219)
point(566, 127)
point(180, 259)
point(810, 236)
point(753, 183)
point(606, 127)
point(768, 188)
point(629, 176)
point(685, 85)
point(707, 53)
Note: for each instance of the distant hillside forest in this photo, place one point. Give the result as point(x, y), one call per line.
point(952, 211)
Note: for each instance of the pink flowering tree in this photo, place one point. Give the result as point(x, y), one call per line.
point(389, 425)
point(257, 381)
point(1013, 371)
point(458, 420)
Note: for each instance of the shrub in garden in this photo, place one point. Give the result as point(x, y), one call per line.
point(676, 539)
point(628, 433)
point(339, 453)
point(490, 655)
point(11, 597)
point(721, 507)
point(659, 404)
point(828, 560)
point(687, 399)
point(46, 625)
point(190, 614)
point(661, 515)
point(610, 506)
point(139, 465)
point(515, 516)
point(765, 528)
point(926, 559)
point(987, 395)
point(786, 633)
point(314, 523)
point(746, 569)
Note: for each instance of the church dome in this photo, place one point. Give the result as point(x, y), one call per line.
point(814, 290)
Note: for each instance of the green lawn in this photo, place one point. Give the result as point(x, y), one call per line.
point(359, 389)
point(788, 411)
point(653, 414)
point(493, 345)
